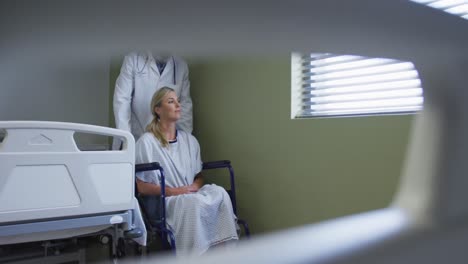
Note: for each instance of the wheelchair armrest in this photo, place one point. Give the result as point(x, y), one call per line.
point(225, 164)
point(216, 164)
point(147, 166)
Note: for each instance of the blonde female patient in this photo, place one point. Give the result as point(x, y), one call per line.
point(201, 216)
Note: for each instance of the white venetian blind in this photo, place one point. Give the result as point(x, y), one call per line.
point(454, 7)
point(338, 85)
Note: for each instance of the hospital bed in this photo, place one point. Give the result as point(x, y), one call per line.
point(50, 189)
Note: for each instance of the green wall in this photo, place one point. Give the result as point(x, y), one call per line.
point(289, 172)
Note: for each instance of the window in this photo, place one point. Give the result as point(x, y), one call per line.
point(325, 85)
point(455, 7)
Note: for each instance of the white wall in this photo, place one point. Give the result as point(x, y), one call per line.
point(55, 90)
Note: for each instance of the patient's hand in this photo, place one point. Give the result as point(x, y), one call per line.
point(194, 187)
point(181, 190)
point(197, 182)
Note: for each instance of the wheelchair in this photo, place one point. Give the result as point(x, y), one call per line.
point(154, 207)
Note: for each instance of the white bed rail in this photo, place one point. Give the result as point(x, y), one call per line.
point(44, 175)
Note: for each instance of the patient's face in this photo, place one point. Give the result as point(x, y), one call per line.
point(170, 107)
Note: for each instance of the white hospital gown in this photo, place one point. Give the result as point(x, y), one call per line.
point(199, 220)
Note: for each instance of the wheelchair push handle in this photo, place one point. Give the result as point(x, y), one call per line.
point(216, 164)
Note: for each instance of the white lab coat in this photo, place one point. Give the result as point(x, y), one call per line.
point(138, 80)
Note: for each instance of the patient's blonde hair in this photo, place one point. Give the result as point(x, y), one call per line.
point(153, 127)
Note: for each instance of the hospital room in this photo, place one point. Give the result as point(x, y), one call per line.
point(366, 182)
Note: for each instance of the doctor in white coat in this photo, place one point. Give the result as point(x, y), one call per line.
point(141, 75)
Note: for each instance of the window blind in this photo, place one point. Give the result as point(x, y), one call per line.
point(455, 7)
point(337, 85)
